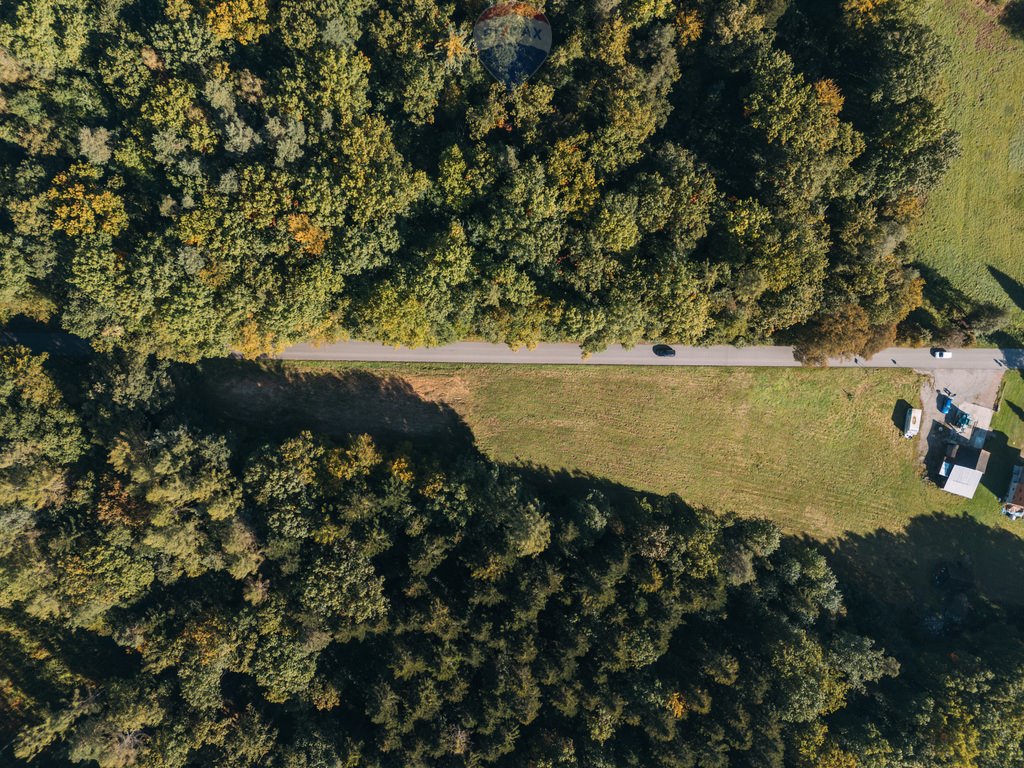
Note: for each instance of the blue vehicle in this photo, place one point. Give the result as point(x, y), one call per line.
point(946, 404)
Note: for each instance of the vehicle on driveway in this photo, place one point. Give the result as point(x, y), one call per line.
point(941, 354)
point(946, 404)
point(664, 350)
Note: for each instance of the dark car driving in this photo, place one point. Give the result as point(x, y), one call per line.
point(664, 350)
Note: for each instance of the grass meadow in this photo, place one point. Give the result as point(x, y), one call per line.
point(818, 451)
point(972, 229)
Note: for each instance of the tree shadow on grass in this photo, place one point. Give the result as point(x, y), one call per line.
point(1009, 343)
point(888, 578)
point(951, 317)
point(270, 400)
point(1001, 461)
point(1012, 17)
point(941, 293)
point(1012, 287)
point(1008, 339)
point(1015, 409)
point(944, 308)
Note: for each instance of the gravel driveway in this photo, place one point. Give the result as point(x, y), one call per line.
point(967, 386)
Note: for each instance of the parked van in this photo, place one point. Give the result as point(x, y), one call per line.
point(913, 423)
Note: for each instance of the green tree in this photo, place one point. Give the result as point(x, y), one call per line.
point(402, 608)
point(243, 175)
point(39, 436)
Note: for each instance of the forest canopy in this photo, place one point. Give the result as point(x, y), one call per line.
point(177, 594)
point(169, 599)
point(190, 176)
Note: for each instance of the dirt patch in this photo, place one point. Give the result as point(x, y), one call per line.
point(452, 390)
point(990, 34)
point(990, 8)
point(975, 386)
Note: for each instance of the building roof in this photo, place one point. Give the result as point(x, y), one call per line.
point(965, 475)
point(963, 481)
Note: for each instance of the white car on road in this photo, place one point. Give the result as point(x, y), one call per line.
point(942, 354)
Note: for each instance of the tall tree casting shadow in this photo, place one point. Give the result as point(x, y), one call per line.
point(942, 293)
point(886, 576)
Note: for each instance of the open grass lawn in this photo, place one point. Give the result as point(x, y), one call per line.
point(756, 441)
point(972, 230)
point(817, 451)
point(1005, 445)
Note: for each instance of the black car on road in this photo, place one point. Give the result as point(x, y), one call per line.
point(664, 350)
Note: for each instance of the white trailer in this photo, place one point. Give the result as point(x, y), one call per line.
point(912, 425)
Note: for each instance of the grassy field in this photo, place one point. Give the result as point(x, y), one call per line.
point(755, 441)
point(1005, 444)
point(972, 230)
point(817, 451)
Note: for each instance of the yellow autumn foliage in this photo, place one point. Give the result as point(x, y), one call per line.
point(676, 704)
point(433, 487)
point(400, 470)
point(613, 41)
point(815, 749)
point(244, 21)
point(311, 238)
point(864, 12)
point(253, 341)
point(689, 27)
point(907, 208)
point(355, 461)
point(829, 96)
point(79, 210)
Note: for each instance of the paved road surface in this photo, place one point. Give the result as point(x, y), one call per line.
point(569, 354)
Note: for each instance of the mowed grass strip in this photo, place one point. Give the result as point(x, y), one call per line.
point(974, 219)
point(1005, 445)
point(815, 450)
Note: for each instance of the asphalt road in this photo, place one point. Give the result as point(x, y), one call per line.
point(569, 354)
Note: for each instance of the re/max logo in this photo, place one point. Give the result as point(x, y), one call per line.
point(511, 31)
